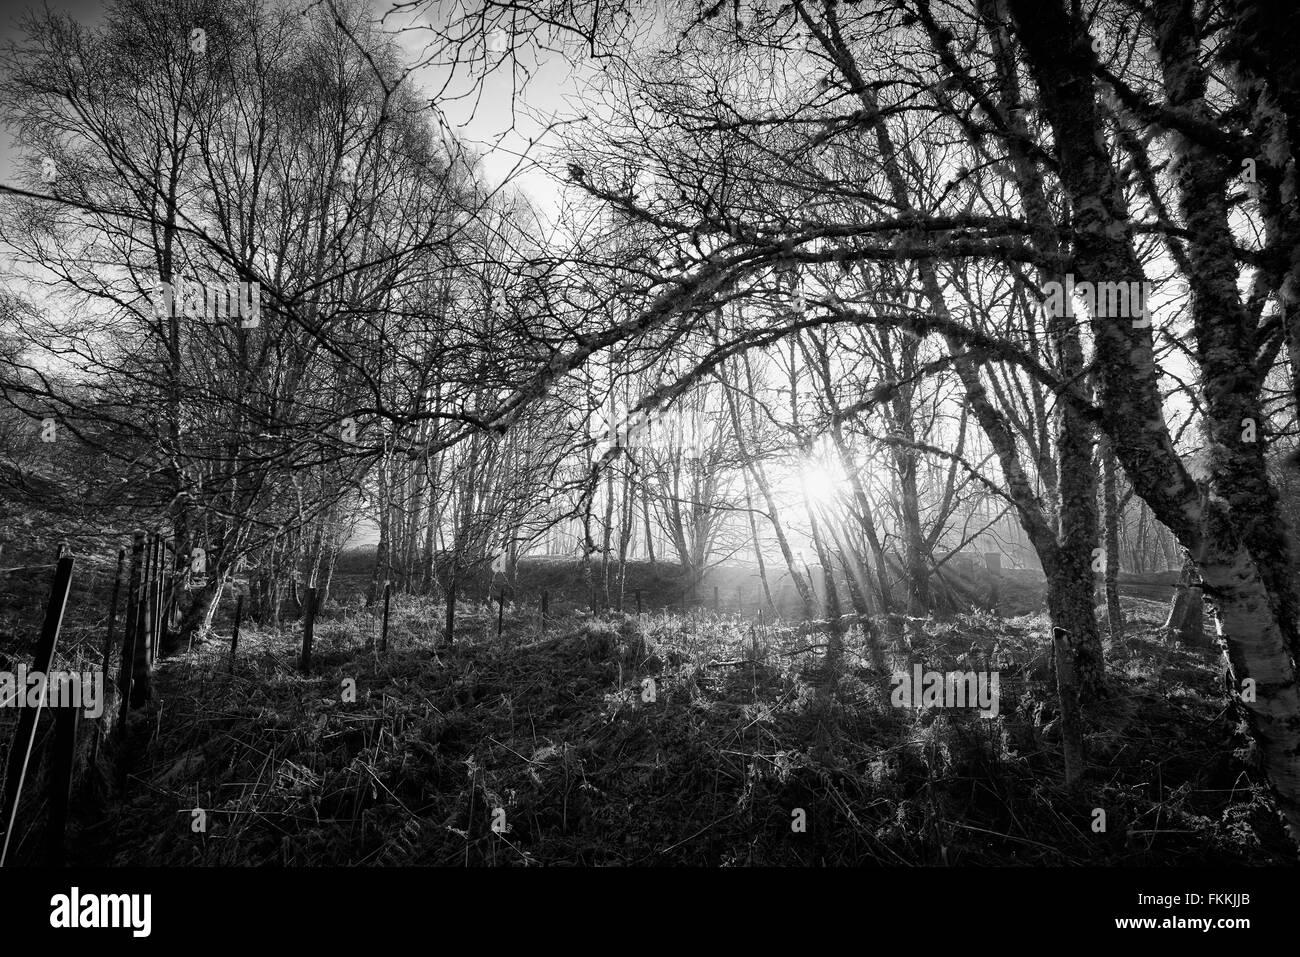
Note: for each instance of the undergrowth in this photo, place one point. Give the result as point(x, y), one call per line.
point(549, 732)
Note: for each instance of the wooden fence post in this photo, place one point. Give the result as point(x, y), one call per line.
point(234, 635)
point(144, 637)
point(255, 599)
point(383, 633)
point(546, 597)
point(171, 613)
point(60, 783)
point(501, 610)
point(451, 610)
point(150, 572)
point(130, 633)
point(1068, 691)
point(20, 751)
point(112, 614)
point(144, 662)
point(638, 603)
point(146, 619)
point(717, 604)
point(308, 629)
point(169, 579)
point(107, 654)
point(159, 551)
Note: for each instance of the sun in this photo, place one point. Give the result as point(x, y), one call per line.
point(821, 483)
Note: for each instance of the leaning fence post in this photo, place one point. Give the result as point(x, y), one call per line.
point(20, 752)
point(60, 783)
point(308, 629)
point(383, 634)
point(234, 635)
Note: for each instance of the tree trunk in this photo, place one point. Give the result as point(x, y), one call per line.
point(758, 546)
point(649, 532)
point(382, 562)
point(1057, 49)
point(919, 599)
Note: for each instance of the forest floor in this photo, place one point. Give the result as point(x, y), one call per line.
point(549, 724)
point(546, 733)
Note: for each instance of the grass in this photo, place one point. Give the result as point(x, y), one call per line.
point(549, 732)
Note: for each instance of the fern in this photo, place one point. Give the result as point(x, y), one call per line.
point(402, 848)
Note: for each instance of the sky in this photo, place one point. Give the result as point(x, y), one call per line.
point(498, 127)
point(86, 11)
point(500, 124)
